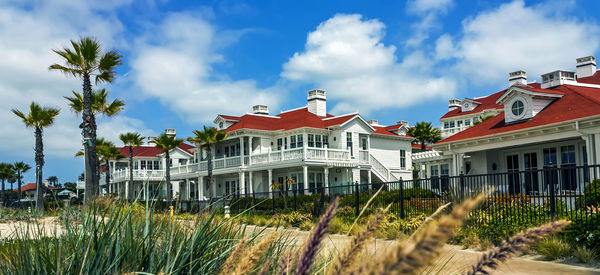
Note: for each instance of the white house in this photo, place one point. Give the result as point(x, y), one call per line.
point(304, 147)
point(555, 123)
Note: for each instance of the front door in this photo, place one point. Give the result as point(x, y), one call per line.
point(512, 167)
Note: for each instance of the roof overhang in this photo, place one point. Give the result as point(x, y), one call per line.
point(515, 89)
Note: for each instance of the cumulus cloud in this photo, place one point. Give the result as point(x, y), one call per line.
point(429, 12)
point(514, 36)
point(178, 70)
point(346, 56)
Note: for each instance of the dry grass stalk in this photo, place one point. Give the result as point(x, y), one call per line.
point(491, 259)
point(344, 261)
point(411, 256)
point(285, 263)
point(249, 260)
point(233, 257)
point(365, 208)
point(314, 240)
point(429, 219)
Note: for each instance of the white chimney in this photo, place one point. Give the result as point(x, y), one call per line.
point(373, 122)
point(170, 132)
point(453, 104)
point(517, 78)
point(150, 139)
point(586, 66)
point(260, 109)
point(317, 102)
point(402, 122)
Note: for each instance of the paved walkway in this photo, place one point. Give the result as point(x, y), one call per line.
point(453, 260)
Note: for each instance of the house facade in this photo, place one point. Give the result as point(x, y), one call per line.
point(304, 148)
point(553, 124)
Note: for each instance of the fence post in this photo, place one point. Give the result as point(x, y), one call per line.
point(461, 182)
point(552, 193)
point(322, 199)
point(401, 193)
point(295, 204)
point(356, 199)
point(272, 201)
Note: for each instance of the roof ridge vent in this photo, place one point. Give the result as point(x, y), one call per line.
point(517, 78)
point(260, 109)
point(586, 66)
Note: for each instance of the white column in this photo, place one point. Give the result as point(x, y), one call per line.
point(596, 148)
point(305, 181)
point(188, 189)
point(270, 183)
point(200, 188)
point(250, 154)
point(369, 179)
point(213, 184)
point(304, 145)
point(326, 180)
point(242, 183)
point(250, 183)
point(127, 190)
point(242, 152)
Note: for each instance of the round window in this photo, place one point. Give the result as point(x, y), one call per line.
point(221, 124)
point(518, 107)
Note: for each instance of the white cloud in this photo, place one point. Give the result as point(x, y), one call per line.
point(178, 69)
point(424, 6)
point(429, 12)
point(346, 57)
point(515, 36)
point(28, 33)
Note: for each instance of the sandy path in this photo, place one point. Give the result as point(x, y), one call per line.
point(452, 260)
point(50, 226)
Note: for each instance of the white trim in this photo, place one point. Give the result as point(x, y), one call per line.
point(340, 116)
point(290, 110)
point(501, 99)
point(362, 119)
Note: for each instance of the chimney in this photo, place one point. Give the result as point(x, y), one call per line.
point(453, 104)
point(317, 102)
point(150, 139)
point(260, 109)
point(586, 66)
point(402, 122)
point(170, 132)
point(517, 78)
point(373, 122)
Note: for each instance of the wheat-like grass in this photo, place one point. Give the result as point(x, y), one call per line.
point(344, 261)
point(229, 264)
point(285, 262)
point(314, 240)
point(249, 259)
point(491, 259)
point(412, 255)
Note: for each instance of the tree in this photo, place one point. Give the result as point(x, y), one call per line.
point(39, 118)
point(424, 133)
point(208, 138)
point(6, 174)
point(100, 103)
point(86, 60)
point(131, 140)
point(71, 186)
point(482, 119)
point(107, 152)
point(20, 168)
point(53, 180)
point(167, 143)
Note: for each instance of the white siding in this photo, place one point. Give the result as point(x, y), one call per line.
point(387, 151)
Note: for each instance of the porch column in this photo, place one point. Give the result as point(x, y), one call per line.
point(596, 149)
point(326, 180)
point(200, 188)
point(270, 183)
point(369, 179)
point(304, 145)
point(127, 190)
point(250, 156)
point(305, 181)
point(250, 183)
point(188, 189)
point(242, 183)
point(242, 151)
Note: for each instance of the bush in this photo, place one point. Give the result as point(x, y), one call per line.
point(553, 248)
point(585, 231)
point(584, 255)
point(591, 195)
point(294, 218)
point(394, 228)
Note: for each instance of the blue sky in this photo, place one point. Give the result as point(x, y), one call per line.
point(187, 61)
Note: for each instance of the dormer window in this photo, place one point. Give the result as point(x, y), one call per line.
point(221, 125)
point(518, 107)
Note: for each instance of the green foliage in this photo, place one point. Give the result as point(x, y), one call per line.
point(294, 218)
point(585, 232)
point(591, 195)
point(553, 248)
point(304, 204)
point(394, 228)
point(584, 254)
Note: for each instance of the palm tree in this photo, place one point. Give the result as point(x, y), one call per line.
point(131, 139)
point(100, 103)
point(207, 139)
point(52, 180)
point(39, 118)
point(20, 168)
point(6, 174)
point(86, 60)
point(424, 133)
point(167, 143)
point(107, 152)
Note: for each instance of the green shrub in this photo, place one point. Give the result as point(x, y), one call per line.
point(394, 228)
point(585, 231)
point(553, 248)
point(294, 218)
point(584, 255)
point(306, 226)
point(591, 195)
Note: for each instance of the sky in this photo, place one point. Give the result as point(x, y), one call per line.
point(185, 62)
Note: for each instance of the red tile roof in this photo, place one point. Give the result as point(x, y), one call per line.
point(418, 146)
point(594, 79)
point(293, 119)
point(150, 151)
point(577, 102)
point(31, 186)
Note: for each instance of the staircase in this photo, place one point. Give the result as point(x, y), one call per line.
point(381, 171)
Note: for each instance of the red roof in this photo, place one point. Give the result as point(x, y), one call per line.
point(150, 151)
point(577, 102)
point(418, 146)
point(594, 79)
point(31, 186)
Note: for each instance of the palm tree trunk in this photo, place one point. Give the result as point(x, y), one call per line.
point(107, 175)
point(89, 136)
point(19, 184)
point(168, 176)
point(130, 189)
point(39, 163)
point(209, 168)
point(3, 202)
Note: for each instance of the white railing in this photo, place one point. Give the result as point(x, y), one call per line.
point(292, 154)
point(316, 154)
point(123, 175)
point(381, 170)
point(233, 161)
point(260, 158)
point(275, 156)
point(338, 154)
point(363, 156)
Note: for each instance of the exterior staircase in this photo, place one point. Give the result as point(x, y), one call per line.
point(381, 171)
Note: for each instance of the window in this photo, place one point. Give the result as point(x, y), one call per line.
point(143, 164)
point(221, 125)
point(237, 149)
point(549, 156)
point(451, 124)
point(349, 143)
point(226, 151)
point(569, 175)
point(135, 165)
point(285, 144)
point(402, 159)
point(292, 142)
point(446, 124)
point(311, 140)
point(156, 167)
point(299, 142)
point(468, 122)
point(363, 143)
point(518, 107)
point(279, 143)
point(325, 141)
point(567, 154)
point(318, 141)
point(459, 123)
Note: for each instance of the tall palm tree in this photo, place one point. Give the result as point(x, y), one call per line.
point(53, 180)
point(167, 143)
point(86, 60)
point(424, 133)
point(6, 173)
point(106, 153)
point(100, 103)
point(20, 168)
point(131, 140)
point(39, 118)
point(208, 138)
